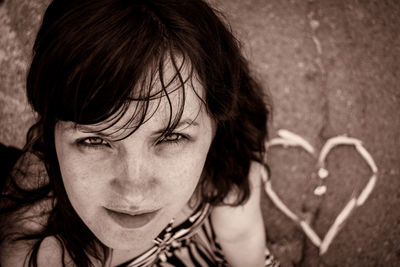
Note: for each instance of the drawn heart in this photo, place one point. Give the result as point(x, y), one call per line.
point(289, 139)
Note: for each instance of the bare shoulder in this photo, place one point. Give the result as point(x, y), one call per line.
point(17, 254)
point(238, 219)
point(52, 253)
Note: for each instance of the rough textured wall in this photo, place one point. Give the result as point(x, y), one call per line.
point(332, 69)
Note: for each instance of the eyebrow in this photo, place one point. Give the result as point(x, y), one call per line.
point(188, 122)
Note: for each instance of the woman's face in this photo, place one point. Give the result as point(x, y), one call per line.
point(127, 191)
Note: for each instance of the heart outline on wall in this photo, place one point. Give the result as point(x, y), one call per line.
point(289, 139)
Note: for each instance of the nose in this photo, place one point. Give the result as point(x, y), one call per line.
point(134, 177)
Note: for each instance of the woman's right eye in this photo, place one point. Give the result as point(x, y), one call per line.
point(93, 142)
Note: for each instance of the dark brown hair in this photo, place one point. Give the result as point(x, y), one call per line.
point(107, 53)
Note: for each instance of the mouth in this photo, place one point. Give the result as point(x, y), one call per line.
point(131, 220)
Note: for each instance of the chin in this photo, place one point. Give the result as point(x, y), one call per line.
point(119, 238)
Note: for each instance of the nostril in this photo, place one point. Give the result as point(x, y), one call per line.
point(135, 187)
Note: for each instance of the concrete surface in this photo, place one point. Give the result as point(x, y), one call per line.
point(332, 68)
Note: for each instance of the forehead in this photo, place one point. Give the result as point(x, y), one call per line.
point(175, 95)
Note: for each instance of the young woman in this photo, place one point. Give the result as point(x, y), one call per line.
point(148, 145)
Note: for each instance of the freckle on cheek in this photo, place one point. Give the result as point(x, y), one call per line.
point(153, 182)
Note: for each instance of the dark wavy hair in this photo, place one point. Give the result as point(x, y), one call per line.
point(92, 58)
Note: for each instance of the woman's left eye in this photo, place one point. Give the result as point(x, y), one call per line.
point(173, 138)
point(93, 142)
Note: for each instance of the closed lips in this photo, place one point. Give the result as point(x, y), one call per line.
point(131, 219)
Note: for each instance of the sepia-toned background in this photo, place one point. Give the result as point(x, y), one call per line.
point(332, 68)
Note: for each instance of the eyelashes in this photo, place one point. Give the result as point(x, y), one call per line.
point(172, 138)
point(95, 142)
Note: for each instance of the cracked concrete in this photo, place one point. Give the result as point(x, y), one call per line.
point(331, 68)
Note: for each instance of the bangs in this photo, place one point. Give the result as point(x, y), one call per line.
point(95, 68)
point(167, 74)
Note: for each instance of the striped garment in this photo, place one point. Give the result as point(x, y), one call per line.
point(192, 243)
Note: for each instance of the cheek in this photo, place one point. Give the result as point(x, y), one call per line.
point(181, 174)
point(82, 181)
point(76, 187)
